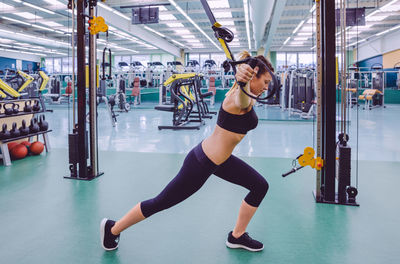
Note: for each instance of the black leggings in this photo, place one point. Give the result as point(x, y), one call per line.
point(195, 171)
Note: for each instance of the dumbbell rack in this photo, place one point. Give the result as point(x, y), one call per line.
point(5, 155)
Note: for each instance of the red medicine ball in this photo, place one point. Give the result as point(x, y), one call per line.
point(26, 143)
point(11, 145)
point(19, 152)
point(36, 148)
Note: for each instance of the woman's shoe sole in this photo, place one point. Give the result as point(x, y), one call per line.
point(230, 245)
point(102, 227)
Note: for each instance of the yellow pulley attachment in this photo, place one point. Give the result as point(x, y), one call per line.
point(97, 25)
point(306, 159)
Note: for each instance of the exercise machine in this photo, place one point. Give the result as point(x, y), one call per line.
point(375, 97)
point(184, 97)
point(83, 141)
point(15, 85)
point(333, 155)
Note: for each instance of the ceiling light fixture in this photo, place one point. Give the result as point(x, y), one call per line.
point(298, 27)
point(39, 8)
point(286, 41)
point(154, 31)
point(193, 23)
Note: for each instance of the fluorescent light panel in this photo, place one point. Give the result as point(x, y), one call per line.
point(286, 41)
point(54, 2)
point(167, 17)
point(299, 26)
point(39, 8)
point(228, 23)
point(175, 25)
point(28, 15)
point(192, 40)
point(51, 24)
point(223, 14)
point(376, 18)
point(154, 31)
point(6, 7)
point(182, 31)
point(304, 33)
point(193, 23)
point(219, 4)
point(15, 20)
point(185, 36)
point(176, 42)
point(300, 38)
point(41, 27)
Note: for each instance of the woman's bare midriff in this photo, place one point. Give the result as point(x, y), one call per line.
point(219, 146)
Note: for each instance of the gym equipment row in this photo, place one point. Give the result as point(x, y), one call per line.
point(373, 96)
point(186, 101)
point(298, 94)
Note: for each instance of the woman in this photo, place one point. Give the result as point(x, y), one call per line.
point(213, 156)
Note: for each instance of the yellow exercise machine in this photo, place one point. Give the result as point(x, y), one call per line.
point(185, 94)
point(45, 80)
point(2, 95)
point(7, 89)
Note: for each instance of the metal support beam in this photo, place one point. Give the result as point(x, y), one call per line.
point(81, 84)
point(273, 24)
point(327, 115)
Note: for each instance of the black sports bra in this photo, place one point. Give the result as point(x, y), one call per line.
point(240, 124)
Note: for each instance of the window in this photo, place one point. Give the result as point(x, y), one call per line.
point(49, 65)
point(167, 58)
point(156, 58)
point(219, 58)
point(67, 65)
point(144, 59)
point(306, 59)
point(291, 59)
point(57, 65)
point(194, 56)
point(117, 59)
point(203, 58)
point(126, 59)
point(281, 60)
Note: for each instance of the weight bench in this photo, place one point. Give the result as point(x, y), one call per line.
point(368, 96)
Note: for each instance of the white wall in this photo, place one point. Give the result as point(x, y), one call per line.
point(19, 55)
point(386, 43)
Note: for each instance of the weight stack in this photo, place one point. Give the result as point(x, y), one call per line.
point(344, 172)
point(73, 144)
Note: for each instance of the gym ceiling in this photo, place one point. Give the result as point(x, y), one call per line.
point(43, 27)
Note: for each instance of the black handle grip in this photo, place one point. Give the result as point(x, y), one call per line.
point(292, 171)
point(252, 63)
point(289, 172)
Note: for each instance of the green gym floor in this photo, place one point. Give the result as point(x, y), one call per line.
point(48, 219)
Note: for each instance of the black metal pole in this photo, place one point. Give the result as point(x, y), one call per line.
point(329, 98)
point(93, 98)
point(81, 84)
